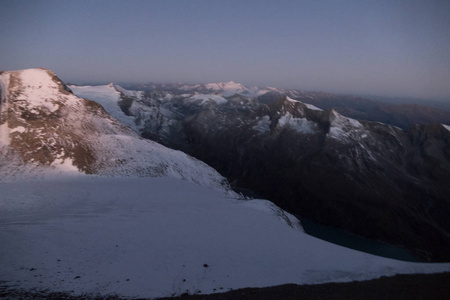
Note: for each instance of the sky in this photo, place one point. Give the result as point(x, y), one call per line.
point(381, 47)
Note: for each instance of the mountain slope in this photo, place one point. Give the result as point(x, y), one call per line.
point(45, 128)
point(155, 237)
point(315, 163)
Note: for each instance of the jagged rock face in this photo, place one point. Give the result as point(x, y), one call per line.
point(45, 127)
point(372, 179)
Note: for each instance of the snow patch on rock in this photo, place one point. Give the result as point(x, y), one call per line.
point(203, 99)
point(263, 125)
point(312, 107)
point(64, 165)
point(342, 128)
point(301, 125)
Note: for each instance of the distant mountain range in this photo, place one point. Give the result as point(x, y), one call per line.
point(369, 177)
point(401, 112)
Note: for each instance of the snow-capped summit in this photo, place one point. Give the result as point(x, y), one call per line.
point(37, 88)
point(342, 127)
point(229, 87)
point(45, 128)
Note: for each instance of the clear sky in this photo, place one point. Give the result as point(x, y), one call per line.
point(380, 47)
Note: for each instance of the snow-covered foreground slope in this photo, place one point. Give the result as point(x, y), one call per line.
point(152, 237)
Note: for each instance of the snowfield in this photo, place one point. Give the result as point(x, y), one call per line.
point(108, 97)
point(155, 237)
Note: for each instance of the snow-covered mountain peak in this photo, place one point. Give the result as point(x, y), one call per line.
point(343, 128)
point(27, 97)
point(338, 120)
point(38, 87)
point(225, 86)
point(37, 78)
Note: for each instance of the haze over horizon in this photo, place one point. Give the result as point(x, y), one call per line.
point(387, 48)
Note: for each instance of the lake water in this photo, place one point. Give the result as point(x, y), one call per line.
point(346, 239)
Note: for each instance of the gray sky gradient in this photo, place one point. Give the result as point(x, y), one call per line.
point(380, 47)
